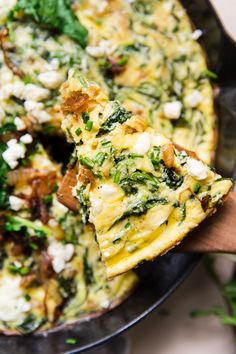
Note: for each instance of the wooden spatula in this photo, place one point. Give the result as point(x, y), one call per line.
point(216, 234)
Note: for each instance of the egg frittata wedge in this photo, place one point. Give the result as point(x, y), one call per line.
point(142, 193)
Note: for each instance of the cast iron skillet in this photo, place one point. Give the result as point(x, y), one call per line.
point(160, 278)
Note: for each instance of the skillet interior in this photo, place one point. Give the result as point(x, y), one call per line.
point(160, 278)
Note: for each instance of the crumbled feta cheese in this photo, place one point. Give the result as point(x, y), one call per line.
point(52, 223)
point(16, 203)
point(41, 116)
point(60, 254)
point(18, 89)
point(14, 152)
point(106, 254)
point(35, 93)
point(107, 190)
point(172, 110)
point(104, 48)
point(19, 123)
point(51, 79)
point(26, 139)
point(196, 34)
point(142, 144)
point(53, 65)
point(194, 98)
point(31, 105)
point(12, 303)
point(196, 169)
point(11, 142)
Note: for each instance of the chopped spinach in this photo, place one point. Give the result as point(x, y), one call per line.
point(84, 204)
point(172, 179)
point(88, 270)
point(3, 178)
point(150, 90)
point(30, 324)
point(16, 224)
point(67, 286)
point(119, 115)
point(141, 207)
point(55, 15)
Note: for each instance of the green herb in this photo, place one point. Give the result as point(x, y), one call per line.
point(100, 158)
point(86, 161)
point(155, 156)
point(78, 131)
point(27, 297)
point(47, 199)
point(124, 60)
point(55, 15)
point(16, 224)
point(89, 125)
point(210, 74)
point(119, 115)
point(85, 117)
point(196, 188)
point(106, 143)
point(71, 341)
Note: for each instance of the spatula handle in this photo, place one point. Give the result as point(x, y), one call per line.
point(215, 234)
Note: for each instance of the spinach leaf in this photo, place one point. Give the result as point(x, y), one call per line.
point(84, 204)
point(88, 270)
point(55, 15)
point(3, 178)
point(119, 115)
point(67, 287)
point(16, 224)
point(30, 324)
point(141, 207)
point(171, 178)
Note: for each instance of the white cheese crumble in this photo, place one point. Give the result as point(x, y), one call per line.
point(60, 254)
point(35, 93)
point(196, 34)
point(51, 79)
point(172, 110)
point(16, 203)
point(36, 110)
point(13, 153)
point(19, 123)
point(194, 98)
point(142, 144)
point(107, 190)
point(196, 169)
point(26, 139)
point(12, 302)
point(104, 48)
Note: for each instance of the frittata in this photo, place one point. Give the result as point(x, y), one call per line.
point(142, 192)
point(143, 53)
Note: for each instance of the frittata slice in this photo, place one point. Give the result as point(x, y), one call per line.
point(142, 193)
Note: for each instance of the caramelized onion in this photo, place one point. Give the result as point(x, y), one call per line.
point(168, 155)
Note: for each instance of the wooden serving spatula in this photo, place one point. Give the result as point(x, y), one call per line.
point(216, 234)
